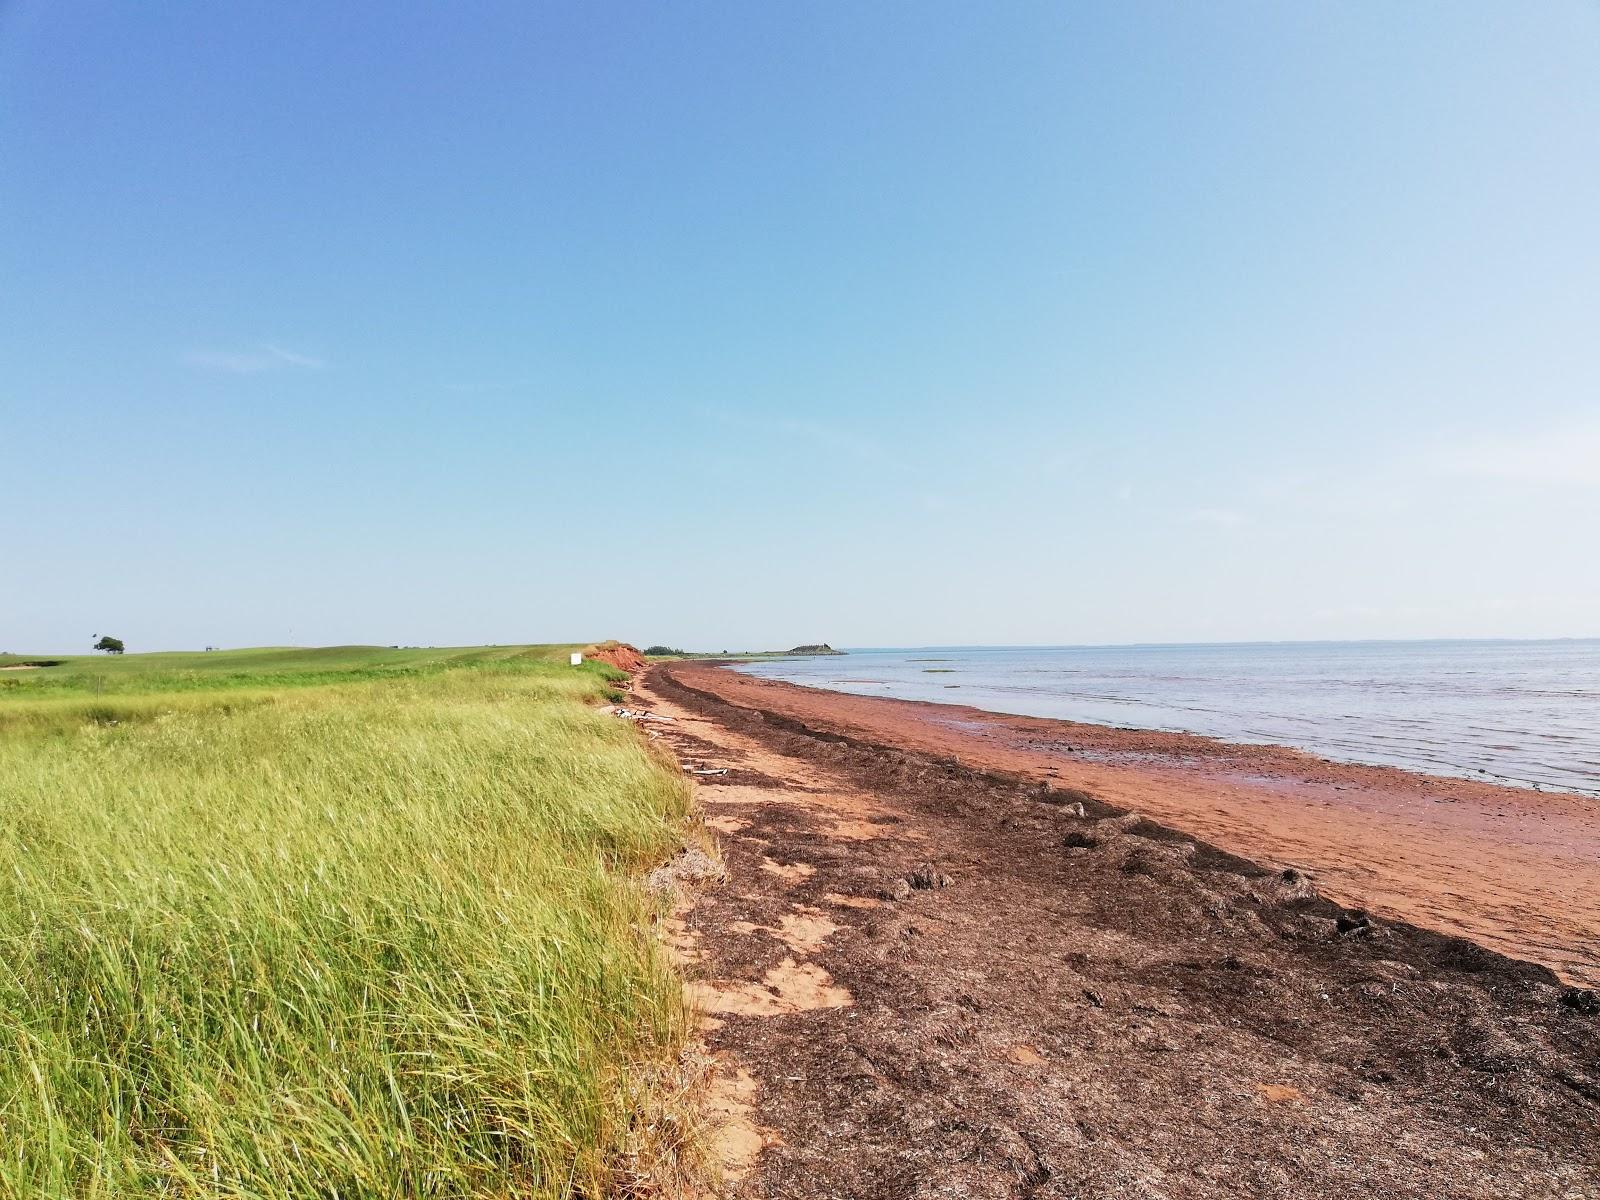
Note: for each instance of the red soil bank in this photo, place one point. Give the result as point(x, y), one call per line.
point(616, 654)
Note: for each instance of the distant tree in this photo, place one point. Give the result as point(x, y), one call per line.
point(110, 645)
point(656, 651)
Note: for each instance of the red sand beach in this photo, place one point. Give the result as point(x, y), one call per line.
point(1514, 869)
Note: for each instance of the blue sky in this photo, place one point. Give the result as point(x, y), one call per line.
point(737, 325)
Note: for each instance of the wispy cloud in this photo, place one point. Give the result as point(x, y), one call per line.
point(1563, 455)
point(266, 357)
point(1217, 518)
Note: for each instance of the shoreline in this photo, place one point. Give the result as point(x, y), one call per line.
point(1513, 868)
point(917, 975)
point(1433, 768)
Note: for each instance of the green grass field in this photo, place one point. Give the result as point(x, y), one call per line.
point(344, 922)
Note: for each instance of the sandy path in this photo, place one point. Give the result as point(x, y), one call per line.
point(741, 988)
point(1515, 869)
point(1067, 1003)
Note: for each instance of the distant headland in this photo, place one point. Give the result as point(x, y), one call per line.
point(813, 649)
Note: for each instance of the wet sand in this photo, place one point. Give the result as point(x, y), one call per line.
point(1513, 869)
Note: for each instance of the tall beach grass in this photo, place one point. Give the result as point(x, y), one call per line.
point(377, 938)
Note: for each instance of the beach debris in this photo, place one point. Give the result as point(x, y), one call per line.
point(690, 865)
point(1080, 839)
point(1000, 1152)
point(1075, 809)
point(639, 714)
point(694, 770)
point(1581, 1000)
point(1273, 891)
point(1070, 799)
point(1143, 860)
point(927, 876)
point(896, 891)
point(1354, 923)
point(1288, 886)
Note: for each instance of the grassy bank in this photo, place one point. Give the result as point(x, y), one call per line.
point(353, 922)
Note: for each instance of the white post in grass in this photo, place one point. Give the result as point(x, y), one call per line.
point(577, 659)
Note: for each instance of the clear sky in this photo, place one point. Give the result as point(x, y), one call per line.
point(749, 324)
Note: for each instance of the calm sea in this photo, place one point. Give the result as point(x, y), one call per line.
point(1526, 713)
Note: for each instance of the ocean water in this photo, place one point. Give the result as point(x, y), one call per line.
point(1526, 713)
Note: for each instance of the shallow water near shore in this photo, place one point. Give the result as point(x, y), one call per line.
point(1518, 712)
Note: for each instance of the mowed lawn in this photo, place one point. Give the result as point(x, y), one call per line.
point(346, 922)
